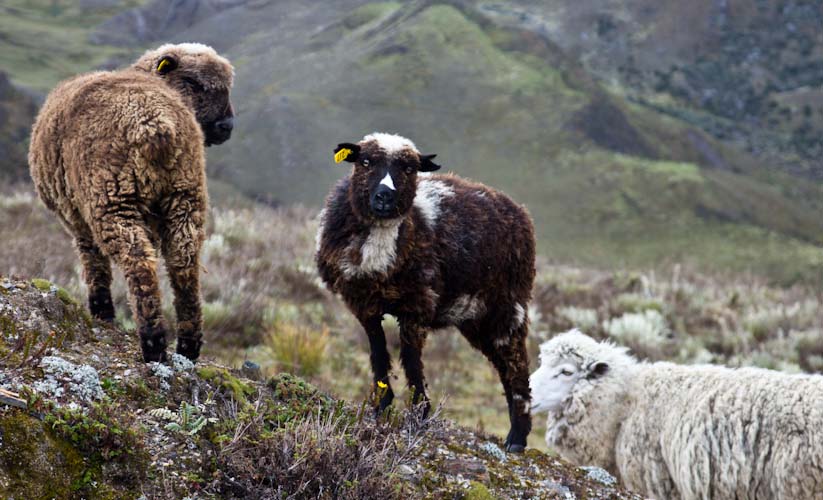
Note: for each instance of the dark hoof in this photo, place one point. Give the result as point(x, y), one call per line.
point(515, 448)
point(153, 343)
point(189, 348)
point(101, 306)
point(159, 357)
point(427, 408)
point(385, 402)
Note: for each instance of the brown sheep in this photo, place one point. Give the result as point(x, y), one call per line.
point(434, 251)
point(119, 157)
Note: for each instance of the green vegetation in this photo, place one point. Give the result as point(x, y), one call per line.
point(228, 383)
point(283, 320)
point(609, 183)
point(210, 432)
point(23, 467)
point(46, 41)
point(109, 442)
point(188, 419)
point(612, 176)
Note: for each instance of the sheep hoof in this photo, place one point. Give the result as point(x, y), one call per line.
point(101, 307)
point(153, 343)
point(189, 348)
point(385, 403)
point(159, 357)
point(515, 448)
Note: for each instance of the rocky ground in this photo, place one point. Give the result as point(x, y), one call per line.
point(92, 421)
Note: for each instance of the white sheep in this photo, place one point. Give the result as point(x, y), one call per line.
point(682, 432)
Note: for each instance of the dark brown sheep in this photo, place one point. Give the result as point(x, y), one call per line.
point(434, 251)
point(119, 157)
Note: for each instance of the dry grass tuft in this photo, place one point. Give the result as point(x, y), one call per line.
point(335, 453)
point(298, 349)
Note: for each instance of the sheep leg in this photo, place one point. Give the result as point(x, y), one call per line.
point(510, 359)
point(96, 268)
point(516, 360)
point(126, 239)
point(380, 361)
point(97, 272)
point(412, 340)
point(181, 242)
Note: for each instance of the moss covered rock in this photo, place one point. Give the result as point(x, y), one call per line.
point(34, 463)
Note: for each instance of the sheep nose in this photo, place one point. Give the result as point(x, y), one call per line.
point(226, 124)
point(384, 196)
point(383, 201)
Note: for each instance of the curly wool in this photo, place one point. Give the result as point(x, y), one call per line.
point(119, 157)
point(691, 432)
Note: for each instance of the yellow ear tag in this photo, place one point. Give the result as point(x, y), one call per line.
point(163, 64)
point(342, 155)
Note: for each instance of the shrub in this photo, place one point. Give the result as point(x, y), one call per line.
point(331, 454)
point(579, 317)
point(644, 333)
point(297, 348)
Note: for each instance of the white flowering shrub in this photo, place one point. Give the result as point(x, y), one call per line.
point(580, 317)
point(644, 332)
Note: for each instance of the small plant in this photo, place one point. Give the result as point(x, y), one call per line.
point(645, 333)
point(298, 349)
point(579, 317)
point(189, 418)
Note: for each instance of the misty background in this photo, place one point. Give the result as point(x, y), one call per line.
point(638, 132)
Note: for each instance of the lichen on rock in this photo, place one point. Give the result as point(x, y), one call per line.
point(83, 380)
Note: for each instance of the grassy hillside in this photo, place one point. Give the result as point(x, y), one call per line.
point(17, 111)
point(611, 179)
point(45, 41)
point(607, 181)
point(82, 417)
point(746, 72)
point(263, 301)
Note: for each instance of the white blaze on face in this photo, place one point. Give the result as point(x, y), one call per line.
point(387, 181)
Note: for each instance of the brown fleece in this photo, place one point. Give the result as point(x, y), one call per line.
point(119, 157)
point(472, 268)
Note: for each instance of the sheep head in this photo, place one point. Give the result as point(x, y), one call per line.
point(203, 79)
point(570, 363)
point(384, 176)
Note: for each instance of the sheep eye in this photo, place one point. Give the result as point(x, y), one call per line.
point(408, 170)
point(365, 162)
point(566, 373)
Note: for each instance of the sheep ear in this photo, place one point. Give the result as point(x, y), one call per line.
point(166, 65)
point(598, 370)
point(427, 165)
point(346, 151)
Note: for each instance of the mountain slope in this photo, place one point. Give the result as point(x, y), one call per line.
point(45, 41)
point(506, 96)
point(746, 72)
point(17, 111)
point(607, 181)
